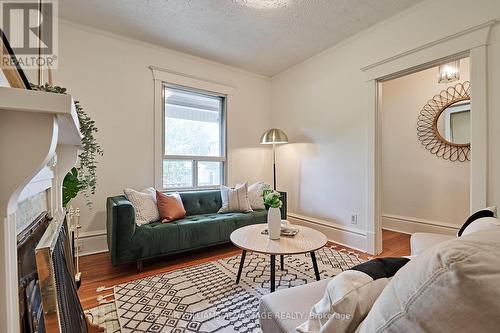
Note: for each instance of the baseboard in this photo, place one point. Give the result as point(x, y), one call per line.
point(410, 225)
point(336, 233)
point(92, 242)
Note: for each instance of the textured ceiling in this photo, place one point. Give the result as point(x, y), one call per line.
point(261, 36)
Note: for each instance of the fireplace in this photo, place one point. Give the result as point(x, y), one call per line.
point(39, 142)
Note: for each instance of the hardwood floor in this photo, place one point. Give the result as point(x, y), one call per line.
point(97, 269)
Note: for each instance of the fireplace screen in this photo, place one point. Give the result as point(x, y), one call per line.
point(62, 309)
point(30, 308)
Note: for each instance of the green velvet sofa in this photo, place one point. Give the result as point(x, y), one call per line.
point(202, 227)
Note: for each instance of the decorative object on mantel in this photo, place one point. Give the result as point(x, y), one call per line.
point(448, 112)
point(274, 136)
point(82, 178)
point(272, 198)
point(13, 73)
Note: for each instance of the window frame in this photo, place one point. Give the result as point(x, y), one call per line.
point(194, 159)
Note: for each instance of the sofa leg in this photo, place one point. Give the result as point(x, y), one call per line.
point(139, 266)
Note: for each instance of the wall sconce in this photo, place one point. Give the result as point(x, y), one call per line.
point(449, 72)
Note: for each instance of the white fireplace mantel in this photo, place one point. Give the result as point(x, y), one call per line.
point(39, 142)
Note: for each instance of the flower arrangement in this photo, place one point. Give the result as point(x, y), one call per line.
point(272, 198)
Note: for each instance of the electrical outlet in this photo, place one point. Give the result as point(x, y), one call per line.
point(354, 218)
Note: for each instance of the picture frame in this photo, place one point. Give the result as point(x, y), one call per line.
point(14, 74)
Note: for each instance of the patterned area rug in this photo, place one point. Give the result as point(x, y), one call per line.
point(205, 298)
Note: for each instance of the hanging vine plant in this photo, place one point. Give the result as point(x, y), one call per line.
point(82, 178)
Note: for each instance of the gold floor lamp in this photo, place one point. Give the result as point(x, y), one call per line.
point(274, 136)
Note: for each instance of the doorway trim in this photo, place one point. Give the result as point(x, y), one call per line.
point(471, 42)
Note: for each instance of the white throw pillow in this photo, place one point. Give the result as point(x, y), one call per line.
point(255, 195)
point(144, 203)
point(486, 212)
point(482, 224)
point(234, 199)
point(350, 295)
point(451, 287)
point(150, 190)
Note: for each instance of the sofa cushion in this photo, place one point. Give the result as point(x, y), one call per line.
point(284, 310)
point(191, 232)
point(421, 241)
point(201, 202)
point(151, 239)
point(452, 287)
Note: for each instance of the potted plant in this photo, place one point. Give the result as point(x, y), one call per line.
point(81, 178)
point(272, 199)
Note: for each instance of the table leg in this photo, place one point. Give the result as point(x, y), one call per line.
point(282, 262)
point(273, 273)
point(242, 261)
point(315, 265)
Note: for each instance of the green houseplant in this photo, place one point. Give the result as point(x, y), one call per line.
point(82, 178)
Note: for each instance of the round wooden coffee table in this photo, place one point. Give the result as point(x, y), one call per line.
point(250, 238)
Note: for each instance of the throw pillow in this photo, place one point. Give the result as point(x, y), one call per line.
point(350, 295)
point(152, 191)
point(144, 205)
point(483, 223)
point(234, 199)
point(255, 195)
point(487, 212)
point(170, 207)
point(451, 287)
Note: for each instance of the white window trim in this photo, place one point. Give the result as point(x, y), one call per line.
point(162, 77)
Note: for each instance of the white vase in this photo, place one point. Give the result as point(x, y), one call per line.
point(274, 223)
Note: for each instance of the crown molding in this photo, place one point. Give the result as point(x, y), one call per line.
point(448, 48)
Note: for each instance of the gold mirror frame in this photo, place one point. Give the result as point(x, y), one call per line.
point(427, 129)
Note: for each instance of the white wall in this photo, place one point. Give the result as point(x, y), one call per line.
point(110, 76)
point(323, 104)
point(415, 184)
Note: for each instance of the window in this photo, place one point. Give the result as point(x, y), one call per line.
point(194, 139)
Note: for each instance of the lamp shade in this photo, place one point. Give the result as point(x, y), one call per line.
point(273, 136)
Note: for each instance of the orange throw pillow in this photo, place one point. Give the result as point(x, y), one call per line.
point(169, 207)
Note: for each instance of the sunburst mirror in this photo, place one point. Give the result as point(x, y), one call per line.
point(444, 123)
